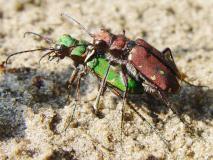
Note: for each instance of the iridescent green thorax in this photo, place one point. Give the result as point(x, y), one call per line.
point(99, 66)
point(80, 49)
point(67, 40)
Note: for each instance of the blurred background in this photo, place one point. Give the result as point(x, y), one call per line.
point(32, 118)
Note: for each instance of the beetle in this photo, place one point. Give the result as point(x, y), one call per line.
point(141, 59)
point(70, 47)
point(156, 70)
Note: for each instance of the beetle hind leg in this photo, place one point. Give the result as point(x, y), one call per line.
point(191, 130)
point(156, 131)
point(181, 76)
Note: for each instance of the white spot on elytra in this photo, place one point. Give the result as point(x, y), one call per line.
point(162, 72)
point(153, 77)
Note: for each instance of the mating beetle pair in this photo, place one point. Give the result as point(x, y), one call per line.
point(155, 70)
point(138, 66)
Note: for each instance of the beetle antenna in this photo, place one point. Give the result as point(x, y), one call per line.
point(71, 19)
point(32, 50)
point(48, 40)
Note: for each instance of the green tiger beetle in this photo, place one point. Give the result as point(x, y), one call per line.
point(77, 50)
point(68, 46)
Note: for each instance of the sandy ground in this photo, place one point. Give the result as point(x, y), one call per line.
point(32, 119)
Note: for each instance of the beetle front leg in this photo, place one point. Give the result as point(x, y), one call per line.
point(89, 55)
point(77, 97)
point(71, 80)
point(73, 77)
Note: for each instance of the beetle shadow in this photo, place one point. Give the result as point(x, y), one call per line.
point(50, 88)
point(195, 102)
point(35, 89)
point(12, 122)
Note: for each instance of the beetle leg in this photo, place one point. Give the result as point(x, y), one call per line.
point(190, 130)
point(151, 126)
point(167, 52)
point(73, 77)
point(81, 74)
point(168, 104)
point(103, 83)
point(157, 132)
point(153, 89)
point(89, 55)
point(46, 54)
point(125, 79)
point(104, 90)
point(77, 97)
point(71, 80)
point(181, 76)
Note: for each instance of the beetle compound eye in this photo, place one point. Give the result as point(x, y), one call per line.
point(60, 47)
point(57, 46)
point(131, 44)
point(98, 42)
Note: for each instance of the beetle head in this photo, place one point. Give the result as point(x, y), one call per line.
point(117, 45)
point(66, 46)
